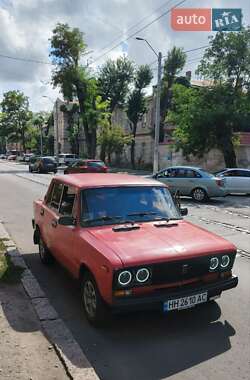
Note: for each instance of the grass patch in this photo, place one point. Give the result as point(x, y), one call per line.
point(9, 273)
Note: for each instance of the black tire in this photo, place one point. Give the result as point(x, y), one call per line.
point(55, 171)
point(96, 310)
point(30, 170)
point(199, 194)
point(45, 255)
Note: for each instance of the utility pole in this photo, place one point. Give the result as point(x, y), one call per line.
point(157, 106)
point(56, 130)
point(157, 116)
point(41, 140)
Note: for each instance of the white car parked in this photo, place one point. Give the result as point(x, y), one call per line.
point(66, 158)
point(237, 181)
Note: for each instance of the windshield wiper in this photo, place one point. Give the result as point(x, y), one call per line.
point(142, 213)
point(106, 218)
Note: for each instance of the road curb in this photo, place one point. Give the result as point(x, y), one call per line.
point(67, 349)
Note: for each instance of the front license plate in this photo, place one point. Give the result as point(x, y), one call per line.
point(185, 302)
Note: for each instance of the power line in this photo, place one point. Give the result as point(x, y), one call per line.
point(135, 25)
point(139, 31)
point(186, 51)
point(25, 59)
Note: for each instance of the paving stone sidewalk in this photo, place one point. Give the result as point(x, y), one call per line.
point(35, 342)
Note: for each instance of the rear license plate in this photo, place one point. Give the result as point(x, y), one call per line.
point(185, 302)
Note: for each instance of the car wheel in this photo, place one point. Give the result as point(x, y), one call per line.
point(30, 170)
point(45, 255)
point(55, 171)
point(199, 195)
point(95, 308)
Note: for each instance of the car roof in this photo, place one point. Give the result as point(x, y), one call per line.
point(183, 167)
point(86, 180)
point(235, 169)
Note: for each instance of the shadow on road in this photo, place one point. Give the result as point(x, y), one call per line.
point(142, 345)
point(234, 201)
point(13, 171)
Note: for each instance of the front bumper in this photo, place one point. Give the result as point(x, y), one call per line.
point(156, 300)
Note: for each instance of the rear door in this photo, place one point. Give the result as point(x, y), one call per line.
point(235, 182)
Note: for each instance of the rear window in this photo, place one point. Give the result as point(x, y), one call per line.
point(49, 160)
point(95, 164)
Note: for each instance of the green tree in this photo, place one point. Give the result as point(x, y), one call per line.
point(173, 65)
point(67, 48)
point(114, 79)
point(136, 105)
point(206, 118)
point(15, 116)
point(112, 139)
point(227, 60)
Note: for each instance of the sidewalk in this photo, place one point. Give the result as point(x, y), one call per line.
point(25, 353)
point(35, 344)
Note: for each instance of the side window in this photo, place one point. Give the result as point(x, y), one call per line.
point(56, 195)
point(80, 163)
point(192, 174)
point(181, 173)
point(68, 199)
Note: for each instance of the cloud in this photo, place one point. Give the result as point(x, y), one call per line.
point(26, 26)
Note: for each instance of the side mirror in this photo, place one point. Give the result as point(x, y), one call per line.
point(184, 211)
point(67, 221)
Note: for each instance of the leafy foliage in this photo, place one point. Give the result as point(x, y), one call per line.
point(67, 47)
point(114, 80)
point(15, 116)
point(136, 105)
point(112, 139)
point(173, 65)
point(207, 118)
point(227, 59)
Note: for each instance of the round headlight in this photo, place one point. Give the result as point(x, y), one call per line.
point(142, 275)
point(214, 262)
point(124, 278)
point(225, 261)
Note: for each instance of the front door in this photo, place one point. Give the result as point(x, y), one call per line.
point(66, 235)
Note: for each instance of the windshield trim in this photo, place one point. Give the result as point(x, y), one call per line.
point(125, 220)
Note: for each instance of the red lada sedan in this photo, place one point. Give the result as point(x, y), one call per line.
point(86, 166)
point(127, 243)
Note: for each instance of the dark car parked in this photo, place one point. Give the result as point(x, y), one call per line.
point(86, 166)
point(43, 165)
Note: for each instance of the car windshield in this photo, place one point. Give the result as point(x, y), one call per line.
point(113, 205)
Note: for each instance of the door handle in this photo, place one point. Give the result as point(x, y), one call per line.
point(54, 223)
point(42, 211)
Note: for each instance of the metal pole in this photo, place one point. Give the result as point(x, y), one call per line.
point(157, 117)
point(56, 134)
point(41, 140)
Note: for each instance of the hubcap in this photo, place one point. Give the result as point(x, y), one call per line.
point(199, 194)
point(89, 298)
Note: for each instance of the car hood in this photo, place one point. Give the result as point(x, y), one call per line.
point(150, 244)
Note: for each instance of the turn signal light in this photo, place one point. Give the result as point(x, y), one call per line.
point(122, 293)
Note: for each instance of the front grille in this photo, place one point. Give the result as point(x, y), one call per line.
point(181, 270)
point(175, 271)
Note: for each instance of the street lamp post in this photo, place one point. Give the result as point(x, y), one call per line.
point(157, 106)
point(56, 131)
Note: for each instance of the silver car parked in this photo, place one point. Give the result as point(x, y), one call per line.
point(192, 181)
point(237, 181)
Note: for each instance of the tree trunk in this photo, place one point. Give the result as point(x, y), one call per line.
point(103, 152)
point(228, 151)
point(23, 141)
point(132, 153)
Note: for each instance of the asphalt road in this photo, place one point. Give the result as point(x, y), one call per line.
point(205, 343)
